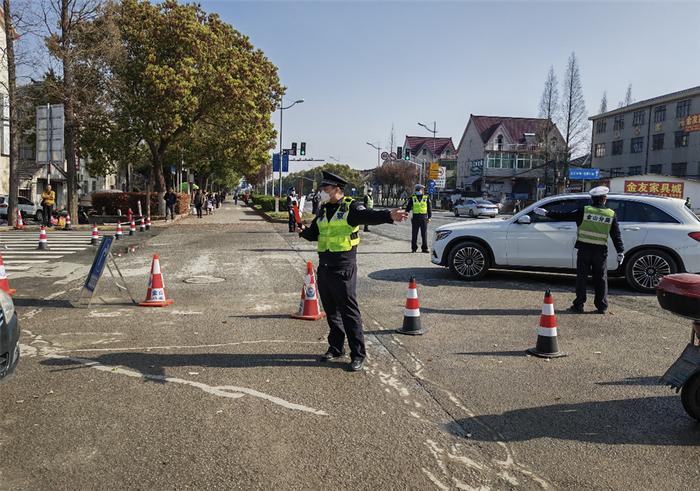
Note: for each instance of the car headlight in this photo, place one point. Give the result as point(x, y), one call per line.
point(7, 305)
point(441, 234)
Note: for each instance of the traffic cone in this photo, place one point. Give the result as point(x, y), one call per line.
point(67, 226)
point(308, 307)
point(155, 296)
point(547, 345)
point(411, 314)
point(43, 240)
point(142, 224)
point(4, 283)
point(132, 227)
point(95, 236)
point(148, 222)
point(19, 223)
point(118, 234)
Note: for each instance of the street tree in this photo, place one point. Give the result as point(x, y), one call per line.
point(603, 103)
point(549, 110)
point(573, 114)
point(628, 96)
point(395, 177)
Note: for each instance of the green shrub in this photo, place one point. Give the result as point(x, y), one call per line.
point(267, 203)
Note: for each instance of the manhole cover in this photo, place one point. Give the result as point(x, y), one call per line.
point(200, 280)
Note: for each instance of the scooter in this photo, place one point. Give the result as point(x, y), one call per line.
point(680, 294)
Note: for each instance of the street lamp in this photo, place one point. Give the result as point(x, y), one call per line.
point(333, 158)
point(282, 108)
point(377, 148)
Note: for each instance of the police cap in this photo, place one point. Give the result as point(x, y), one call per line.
point(599, 191)
point(330, 179)
point(419, 187)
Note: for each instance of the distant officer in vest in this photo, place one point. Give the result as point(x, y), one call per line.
point(419, 205)
point(596, 223)
point(369, 204)
point(337, 230)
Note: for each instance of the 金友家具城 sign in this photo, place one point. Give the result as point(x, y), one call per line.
point(670, 189)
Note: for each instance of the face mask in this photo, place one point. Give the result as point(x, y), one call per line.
point(324, 197)
point(419, 193)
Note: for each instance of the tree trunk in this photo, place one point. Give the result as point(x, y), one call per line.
point(68, 97)
point(159, 180)
point(12, 95)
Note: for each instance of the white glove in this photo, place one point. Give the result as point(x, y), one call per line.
point(541, 212)
point(620, 257)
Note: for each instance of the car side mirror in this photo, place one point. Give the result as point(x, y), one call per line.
point(524, 220)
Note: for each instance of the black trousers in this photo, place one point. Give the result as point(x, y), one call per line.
point(199, 211)
point(419, 222)
point(292, 222)
point(592, 260)
point(48, 212)
point(339, 299)
point(170, 208)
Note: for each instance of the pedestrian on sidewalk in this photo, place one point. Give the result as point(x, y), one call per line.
point(422, 213)
point(170, 200)
point(48, 201)
point(198, 202)
point(314, 201)
point(210, 204)
point(369, 204)
point(336, 228)
point(292, 201)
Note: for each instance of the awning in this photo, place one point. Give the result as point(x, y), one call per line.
point(471, 180)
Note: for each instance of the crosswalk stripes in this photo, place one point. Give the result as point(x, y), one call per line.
point(19, 248)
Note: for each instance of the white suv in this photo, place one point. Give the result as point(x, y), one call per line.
point(661, 236)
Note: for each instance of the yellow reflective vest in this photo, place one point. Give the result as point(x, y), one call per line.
point(337, 235)
point(420, 207)
point(595, 226)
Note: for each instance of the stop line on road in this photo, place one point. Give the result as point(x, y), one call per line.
point(19, 249)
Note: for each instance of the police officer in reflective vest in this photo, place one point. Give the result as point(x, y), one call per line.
point(369, 204)
point(419, 205)
point(337, 230)
point(596, 223)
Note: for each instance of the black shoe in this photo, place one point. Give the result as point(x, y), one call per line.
point(330, 355)
point(414, 250)
point(426, 251)
point(356, 364)
point(575, 309)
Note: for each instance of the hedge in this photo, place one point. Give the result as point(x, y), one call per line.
point(111, 202)
point(267, 203)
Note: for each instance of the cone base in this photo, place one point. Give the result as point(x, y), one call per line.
point(418, 332)
point(540, 354)
point(159, 303)
point(321, 315)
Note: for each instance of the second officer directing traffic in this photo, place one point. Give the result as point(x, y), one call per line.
point(337, 230)
point(422, 212)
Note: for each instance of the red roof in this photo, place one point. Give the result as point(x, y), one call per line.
point(516, 127)
point(436, 145)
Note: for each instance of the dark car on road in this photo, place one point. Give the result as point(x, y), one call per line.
point(9, 336)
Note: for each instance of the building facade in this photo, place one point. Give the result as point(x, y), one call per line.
point(656, 136)
point(426, 149)
point(504, 156)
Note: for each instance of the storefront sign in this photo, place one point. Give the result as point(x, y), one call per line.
point(434, 171)
point(670, 189)
point(691, 123)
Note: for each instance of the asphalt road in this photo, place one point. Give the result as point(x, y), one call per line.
point(222, 390)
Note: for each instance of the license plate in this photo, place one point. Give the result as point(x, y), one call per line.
point(685, 367)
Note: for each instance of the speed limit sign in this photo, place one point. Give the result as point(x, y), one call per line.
point(385, 155)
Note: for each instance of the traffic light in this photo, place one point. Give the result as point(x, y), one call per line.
point(399, 153)
point(302, 149)
point(294, 149)
point(407, 154)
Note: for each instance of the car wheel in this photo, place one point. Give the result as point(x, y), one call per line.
point(39, 216)
point(690, 396)
point(11, 363)
point(471, 213)
point(469, 261)
point(456, 212)
point(645, 269)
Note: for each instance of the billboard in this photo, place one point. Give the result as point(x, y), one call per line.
point(691, 123)
point(657, 188)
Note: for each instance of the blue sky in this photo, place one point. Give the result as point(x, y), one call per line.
point(361, 66)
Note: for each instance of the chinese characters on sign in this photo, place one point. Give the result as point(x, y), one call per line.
point(670, 189)
point(691, 123)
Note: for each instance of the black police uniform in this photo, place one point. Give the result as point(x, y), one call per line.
point(419, 221)
point(337, 276)
point(591, 258)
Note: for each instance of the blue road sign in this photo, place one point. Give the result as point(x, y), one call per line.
point(431, 186)
point(276, 162)
point(583, 174)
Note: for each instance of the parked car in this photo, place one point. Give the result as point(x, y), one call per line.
point(476, 207)
point(9, 336)
point(497, 203)
point(661, 236)
point(27, 208)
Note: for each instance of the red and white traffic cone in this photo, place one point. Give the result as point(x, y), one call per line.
point(411, 313)
point(95, 236)
point(67, 225)
point(309, 309)
point(142, 224)
point(43, 240)
point(19, 223)
point(4, 282)
point(148, 222)
point(118, 234)
point(155, 296)
point(132, 227)
point(547, 344)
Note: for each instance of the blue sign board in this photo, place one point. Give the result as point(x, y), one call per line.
point(276, 162)
point(583, 174)
point(431, 186)
point(98, 264)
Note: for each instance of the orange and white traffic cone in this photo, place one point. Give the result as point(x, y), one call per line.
point(67, 226)
point(132, 227)
point(547, 344)
point(308, 307)
point(118, 234)
point(19, 223)
point(95, 236)
point(411, 314)
point(148, 222)
point(4, 282)
point(142, 224)
point(155, 296)
point(43, 240)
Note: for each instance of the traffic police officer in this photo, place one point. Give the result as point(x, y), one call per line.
point(336, 228)
point(419, 205)
point(369, 204)
point(596, 223)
